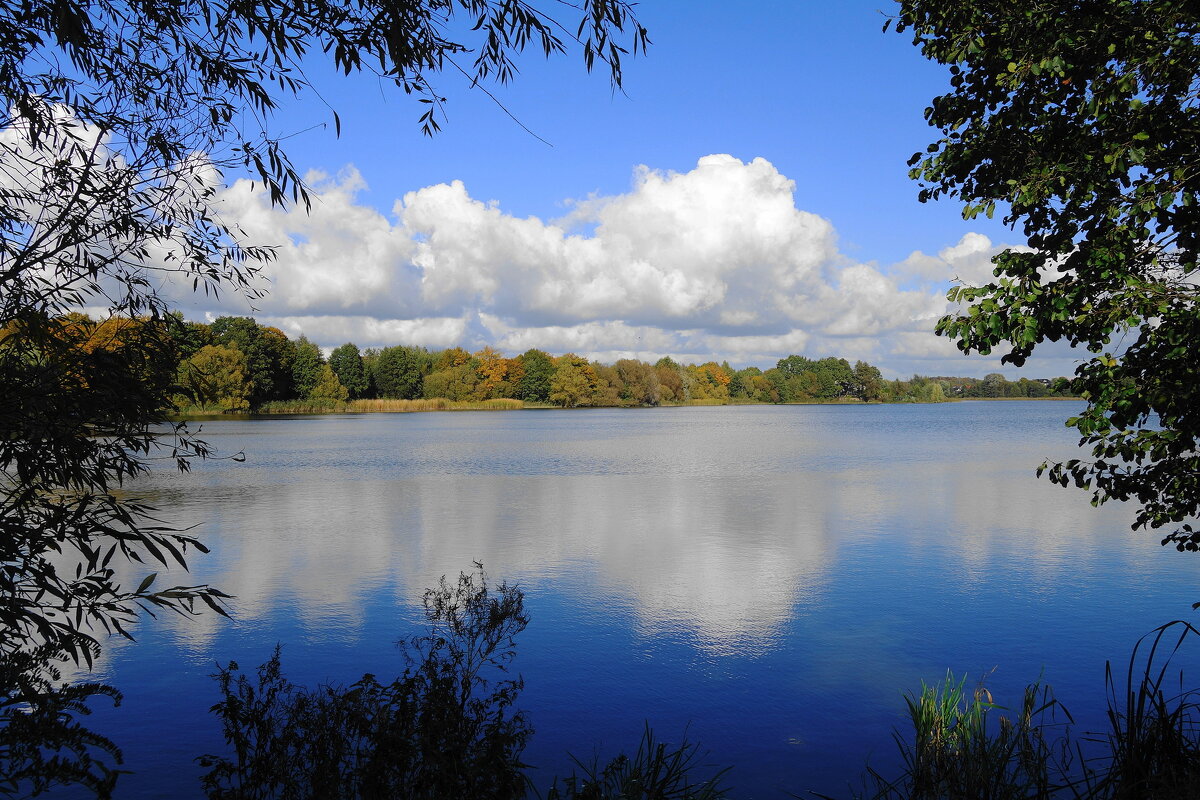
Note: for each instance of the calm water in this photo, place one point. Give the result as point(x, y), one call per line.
point(769, 579)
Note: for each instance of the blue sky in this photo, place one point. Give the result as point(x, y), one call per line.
point(746, 197)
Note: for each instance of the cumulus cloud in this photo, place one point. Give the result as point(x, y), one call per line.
point(713, 263)
point(339, 257)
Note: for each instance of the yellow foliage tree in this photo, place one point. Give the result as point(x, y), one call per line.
point(216, 376)
point(574, 382)
point(493, 374)
point(452, 357)
point(328, 387)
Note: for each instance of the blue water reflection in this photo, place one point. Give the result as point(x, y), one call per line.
point(768, 578)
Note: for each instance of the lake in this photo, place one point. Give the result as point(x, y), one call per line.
point(767, 579)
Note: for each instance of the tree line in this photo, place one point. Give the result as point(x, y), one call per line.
point(236, 363)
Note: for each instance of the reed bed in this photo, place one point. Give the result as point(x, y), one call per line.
point(206, 411)
point(1149, 751)
point(657, 771)
point(387, 406)
point(706, 401)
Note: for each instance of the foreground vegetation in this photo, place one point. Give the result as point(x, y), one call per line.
point(449, 726)
point(964, 745)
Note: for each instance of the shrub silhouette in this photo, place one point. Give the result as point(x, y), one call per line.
point(446, 727)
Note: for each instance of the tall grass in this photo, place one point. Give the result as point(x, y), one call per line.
point(303, 407)
point(656, 771)
point(1153, 736)
point(437, 404)
point(386, 405)
point(1149, 751)
point(206, 411)
point(705, 401)
point(960, 751)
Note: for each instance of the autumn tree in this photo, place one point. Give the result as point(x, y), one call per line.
point(710, 381)
point(493, 369)
point(670, 380)
point(760, 388)
point(328, 387)
point(1080, 125)
point(607, 391)
point(574, 382)
point(216, 376)
point(639, 382)
point(451, 357)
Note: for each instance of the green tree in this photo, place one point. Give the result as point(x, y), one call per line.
point(458, 383)
point(1081, 123)
point(836, 377)
point(534, 385)
point(994, 385)
point(270, 356)
point(216, 376)
point(398, 372)
point(306, 368)
point(328, 387)
point(1030, 388)
point(370, 359)
point(347, 363)
point(868, 382)
point(188, 337)
point(793, 365)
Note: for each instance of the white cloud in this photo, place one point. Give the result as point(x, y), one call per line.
point(713, 263)
point(435, 333)
point(590, 337)
point(339, 257)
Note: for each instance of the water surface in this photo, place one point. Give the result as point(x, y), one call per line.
point(769, 579)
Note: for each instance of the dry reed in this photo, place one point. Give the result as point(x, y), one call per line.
point(387, 406)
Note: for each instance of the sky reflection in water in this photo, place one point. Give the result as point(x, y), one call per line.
point(769, 578)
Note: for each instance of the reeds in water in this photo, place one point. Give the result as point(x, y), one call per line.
point(960, 750)
point(657, 771)
point(1150, 750)
point(1152, 745)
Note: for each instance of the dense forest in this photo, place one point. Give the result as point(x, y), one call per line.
point(235, 363)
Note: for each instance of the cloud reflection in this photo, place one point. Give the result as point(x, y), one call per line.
point(696, 537)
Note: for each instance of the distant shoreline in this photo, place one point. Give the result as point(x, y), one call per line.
point(441, 404)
